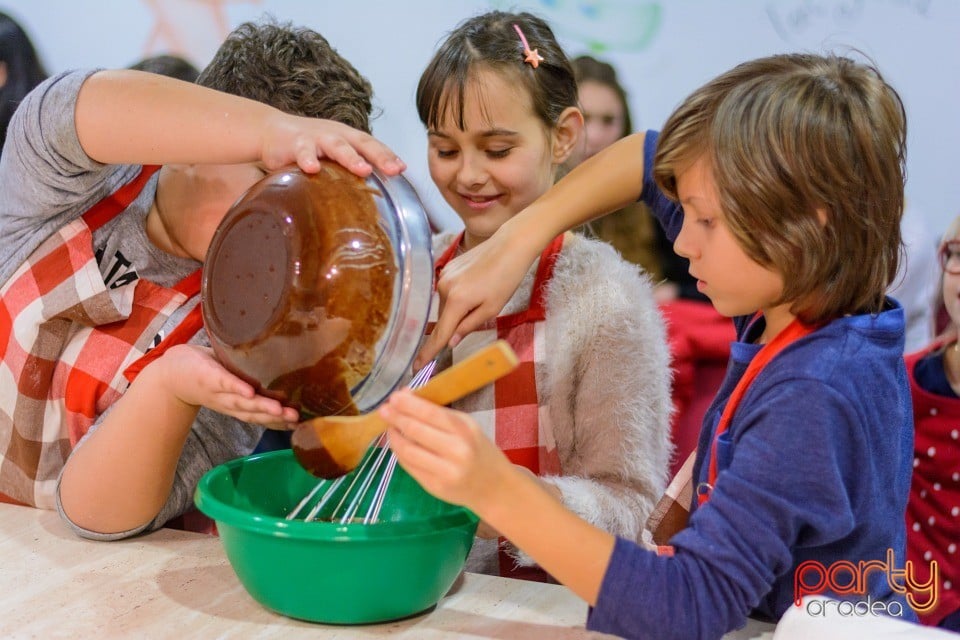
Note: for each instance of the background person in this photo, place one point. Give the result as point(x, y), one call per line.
point(699, 336)
point(933, 513)
point(20, 70)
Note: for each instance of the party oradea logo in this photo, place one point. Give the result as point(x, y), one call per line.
point(844, 578)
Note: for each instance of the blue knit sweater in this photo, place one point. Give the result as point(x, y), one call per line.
point(816, 465)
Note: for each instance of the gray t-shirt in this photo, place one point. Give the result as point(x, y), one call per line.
point(48, 181)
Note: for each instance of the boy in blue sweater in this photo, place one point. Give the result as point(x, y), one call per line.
point(782, 182)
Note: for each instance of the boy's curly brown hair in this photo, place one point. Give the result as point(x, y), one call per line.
point(293, 69)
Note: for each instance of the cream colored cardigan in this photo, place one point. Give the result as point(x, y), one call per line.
point(606, 386)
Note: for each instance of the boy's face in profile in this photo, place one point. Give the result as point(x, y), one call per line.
point(735, 284)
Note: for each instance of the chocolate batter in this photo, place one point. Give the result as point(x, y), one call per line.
point(299, 286)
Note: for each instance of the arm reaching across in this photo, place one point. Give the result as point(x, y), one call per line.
point(164, 120)
point(475, 286)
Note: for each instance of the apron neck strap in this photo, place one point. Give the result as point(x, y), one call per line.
point(105, 210)
point(793, 332)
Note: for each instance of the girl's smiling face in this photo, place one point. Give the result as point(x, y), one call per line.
point(503, 159)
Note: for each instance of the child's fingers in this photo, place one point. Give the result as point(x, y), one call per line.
point(405, 401)
point(307, 159)
point(289, 423)
point(256, 409)
point(446, 331)
point(424, 413)
point(357, 151)
point(259, 417)
point(410, 453)
point(380, 155)
point(229, 384)
point(340, 150)
point(290, 417)
point(419, 421)
point(432, 345)
point(464, 306)
point(433, 473)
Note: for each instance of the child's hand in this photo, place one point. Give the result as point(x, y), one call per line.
point(289, 139)
point(194, 376)
point(474, 287)
point(443, 449)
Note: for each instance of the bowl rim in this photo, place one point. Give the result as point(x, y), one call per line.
point(413, 252)
point(403, 218)
point(237, 518)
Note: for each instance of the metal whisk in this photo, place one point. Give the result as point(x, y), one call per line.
point(377, 466)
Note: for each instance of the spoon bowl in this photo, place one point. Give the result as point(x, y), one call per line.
point(329, 447)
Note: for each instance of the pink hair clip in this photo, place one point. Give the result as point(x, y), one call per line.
point(530, 55)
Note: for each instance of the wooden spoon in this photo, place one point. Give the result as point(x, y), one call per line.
point(331, 446)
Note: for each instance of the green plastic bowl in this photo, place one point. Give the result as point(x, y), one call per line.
point(329, 572)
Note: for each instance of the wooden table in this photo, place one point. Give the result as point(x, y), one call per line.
point(175, 584)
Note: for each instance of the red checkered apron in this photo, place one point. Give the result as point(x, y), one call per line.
point(510, 410)
point(69, 347)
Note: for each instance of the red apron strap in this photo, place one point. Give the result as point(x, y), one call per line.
point(793, 332)
point(192, 322)
point(449, 254)
point(102, 212)
point(537, 310)
point(190, 285)
point(548, 260)
point(180, 335)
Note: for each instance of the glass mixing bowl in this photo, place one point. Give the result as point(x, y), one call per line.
point(316, 287)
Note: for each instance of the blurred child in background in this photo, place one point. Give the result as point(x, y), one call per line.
point(20, 69)
point(933, 514)
point(699, 337)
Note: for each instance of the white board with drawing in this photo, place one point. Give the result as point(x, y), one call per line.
point(662, 49)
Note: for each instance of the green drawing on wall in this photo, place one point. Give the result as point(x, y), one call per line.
point(601, 25)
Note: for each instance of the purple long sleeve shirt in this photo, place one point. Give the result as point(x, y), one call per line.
point(815, 466)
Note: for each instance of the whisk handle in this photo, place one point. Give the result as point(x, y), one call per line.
point(473, 372)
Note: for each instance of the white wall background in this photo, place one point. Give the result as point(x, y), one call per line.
point(663, 50)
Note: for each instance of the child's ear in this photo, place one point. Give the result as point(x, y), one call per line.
point(566, 134)
point(3, 73)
